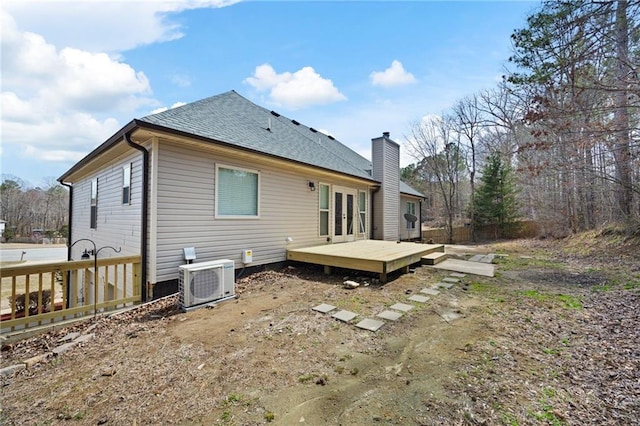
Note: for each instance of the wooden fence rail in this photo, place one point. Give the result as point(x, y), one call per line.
point(34, 299)
point(462, 234)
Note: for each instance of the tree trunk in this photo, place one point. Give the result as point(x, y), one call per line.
point(621, 152)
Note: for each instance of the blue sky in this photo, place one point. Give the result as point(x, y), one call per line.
point(74, 72)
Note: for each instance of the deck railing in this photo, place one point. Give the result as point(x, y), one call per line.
point(45, 293)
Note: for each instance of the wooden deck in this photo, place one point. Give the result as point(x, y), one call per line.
point(377, 256)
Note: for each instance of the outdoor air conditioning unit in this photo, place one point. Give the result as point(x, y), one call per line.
point(206, 282)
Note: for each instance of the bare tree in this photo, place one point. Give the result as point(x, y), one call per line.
point(468, 120)
point(433, 144)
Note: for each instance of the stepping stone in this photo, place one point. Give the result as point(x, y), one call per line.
point(450, 280)
point(370, 324)
point(476, 258)
point(345, 316)
point(401, 307)
point(418, 298)
point(457, 275)
point(324, 308)
point(430, 291)
point(444, 285)
point(488, 258)
point(390, 315)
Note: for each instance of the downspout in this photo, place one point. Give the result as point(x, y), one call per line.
point(70, 227)
point(420, 219)
point(144, 246)
point(373, 220)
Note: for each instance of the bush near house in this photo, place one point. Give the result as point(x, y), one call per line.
point(20, 301)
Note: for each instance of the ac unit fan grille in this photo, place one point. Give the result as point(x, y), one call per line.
point(205, 284)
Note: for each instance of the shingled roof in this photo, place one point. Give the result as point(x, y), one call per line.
point(233, 120)
point(236, 121)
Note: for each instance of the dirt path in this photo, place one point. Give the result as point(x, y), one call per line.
point(535, 345)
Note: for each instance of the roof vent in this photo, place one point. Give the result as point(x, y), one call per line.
point(275, 113)
point(295, 122)
point(331, 137)
point(313, 130)
point(386, 134)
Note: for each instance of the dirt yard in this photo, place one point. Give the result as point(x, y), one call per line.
point(553, 339)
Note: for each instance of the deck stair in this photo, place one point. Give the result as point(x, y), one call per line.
point(434, 258)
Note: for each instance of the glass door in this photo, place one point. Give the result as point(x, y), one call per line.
point(343, 215)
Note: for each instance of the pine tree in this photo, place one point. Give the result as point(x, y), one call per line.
point(495, 200)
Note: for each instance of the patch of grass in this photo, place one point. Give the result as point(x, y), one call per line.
point(509, 419)
point(226, 416)
point(482, 287)
point(547, 415)
point(570, 302)
point(232, 399)
point(564, 300)
point(518, 262)
point(633, 283)
point(269, 416)
point(535, 294)
point(306, 377)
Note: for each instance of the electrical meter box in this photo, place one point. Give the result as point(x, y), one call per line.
point(247, 256)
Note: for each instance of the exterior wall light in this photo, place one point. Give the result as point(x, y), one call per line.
point(312, 186)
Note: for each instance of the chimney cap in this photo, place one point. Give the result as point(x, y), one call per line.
point(386, 134)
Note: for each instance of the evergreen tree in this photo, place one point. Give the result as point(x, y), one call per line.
point(495, 200)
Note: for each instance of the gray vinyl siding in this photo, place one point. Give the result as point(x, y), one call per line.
point(118, 225)
point(185, 210)
point(386, 169)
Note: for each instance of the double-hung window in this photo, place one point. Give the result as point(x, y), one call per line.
point(237, 192)
point(93, 219)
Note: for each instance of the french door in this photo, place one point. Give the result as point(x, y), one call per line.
point(344, 214)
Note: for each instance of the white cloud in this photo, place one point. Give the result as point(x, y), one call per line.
point(300, 89)
point(104, 25)
point(181, 80)
point(164, 108)
point(395, 75)
point(59, 103)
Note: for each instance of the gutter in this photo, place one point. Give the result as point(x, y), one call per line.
point(144, 245)
point(70, 227)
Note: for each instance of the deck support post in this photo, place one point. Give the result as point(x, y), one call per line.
point(327, 270)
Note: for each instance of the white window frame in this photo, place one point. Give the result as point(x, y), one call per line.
point(326, 210)
point(126, 183)
point(93, 204)
point(362, 211)
point(217, 214)
point(412, 225)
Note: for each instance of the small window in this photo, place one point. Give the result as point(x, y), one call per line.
point(93, 220)
point(411, 209)
point(362, 212)
point(237, 192)
point(324, 209)
point(126, 184)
